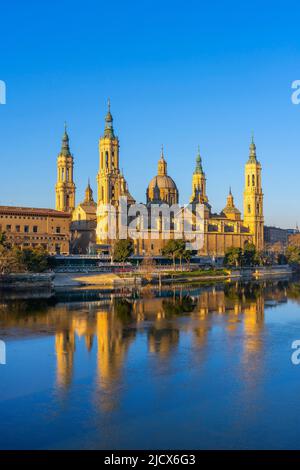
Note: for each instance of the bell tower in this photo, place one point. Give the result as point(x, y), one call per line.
point(199, 183)
point(65, 187)
point(108, 178)
point(253, 198)
point(111, 184)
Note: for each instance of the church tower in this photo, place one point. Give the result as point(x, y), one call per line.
point(199, 183)
point(65, 187)
point(110, 181)
point(253, 198)
point(88, 197)
point(109, 176)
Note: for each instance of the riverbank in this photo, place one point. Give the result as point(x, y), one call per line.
point(31, 285)
point(63, 280)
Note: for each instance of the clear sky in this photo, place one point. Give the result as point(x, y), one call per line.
point(177, 73)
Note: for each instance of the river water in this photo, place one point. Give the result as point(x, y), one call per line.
point(187, 367)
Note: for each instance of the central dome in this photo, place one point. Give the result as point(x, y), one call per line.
point(162, 182)
point(162, 188)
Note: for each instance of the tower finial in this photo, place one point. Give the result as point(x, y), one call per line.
point(198, 168)
point(230, 193)
point(109, 131)
point(252, 156)
point(65, 149)
point(162, 164)
point(88, 193)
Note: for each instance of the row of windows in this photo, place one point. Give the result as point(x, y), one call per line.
point(57, 249)
point(257, 208)
point(25, 229)
point(107, 160)
point(65, 175)
point(23, 217)
point(215, 228)
point(253, 180)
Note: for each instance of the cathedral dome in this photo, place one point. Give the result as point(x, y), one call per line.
point(162, 182)
point(230, 211)
point(162, 188)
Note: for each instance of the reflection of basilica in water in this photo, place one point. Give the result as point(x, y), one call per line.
point(110, 326)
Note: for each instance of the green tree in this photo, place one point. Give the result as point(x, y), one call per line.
point(170, 250)
point(9, 261)
point(174, 249)
point(233, 257)
point(14, 260)
point(33, 259)
point(250, 255)
point(293, 254)
point(123, 249)
point(187, 254)
point(2, 239)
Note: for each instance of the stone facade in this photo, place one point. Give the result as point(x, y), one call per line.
point(30, 227)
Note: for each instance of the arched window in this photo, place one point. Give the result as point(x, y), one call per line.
point(248, 180)
point(253, 180)
point(101, 159)
point(257, 207)
point(112, 192)
point(62, 174)
point(67, 201)
point(68, 174)
point(249, 209)
point(106, 159)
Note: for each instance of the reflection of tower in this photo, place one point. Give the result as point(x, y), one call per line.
point(162, 338)
point(253, 198)
point(112, 348)
point(65, 187)
point(65, 348)
point(253, 324)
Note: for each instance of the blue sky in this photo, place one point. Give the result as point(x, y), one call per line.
point(177, 73)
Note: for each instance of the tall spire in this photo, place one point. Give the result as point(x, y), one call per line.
point(252, 156)
point(162, 164)
point(198, 168)
point(230, 200)
point(88, 193)
point(109, 130)
point(65, 149)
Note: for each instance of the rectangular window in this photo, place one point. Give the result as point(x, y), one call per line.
point(35, 229)
point(8, 228)
point(26, 228)
point(57, 230)
point(18, 228)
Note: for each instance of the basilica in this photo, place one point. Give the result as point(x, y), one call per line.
point(90, 226)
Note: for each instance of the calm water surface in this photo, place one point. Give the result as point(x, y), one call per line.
point(205, 367)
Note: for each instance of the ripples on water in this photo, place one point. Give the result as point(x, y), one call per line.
point(186, 367)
